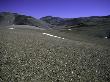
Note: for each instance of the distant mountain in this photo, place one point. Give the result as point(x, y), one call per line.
point(77, 22)
point(52, 20)
point(7, 18)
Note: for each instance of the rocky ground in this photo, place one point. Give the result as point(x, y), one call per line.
point(26, 55)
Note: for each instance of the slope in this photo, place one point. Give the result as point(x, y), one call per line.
point(29, 56)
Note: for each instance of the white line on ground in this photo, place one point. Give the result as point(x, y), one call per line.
point(11, 28)
point(58, 37)
point(48, 34)
point(69, 29)
point(106, 37)
point(44, 33)
point(55, 36)
point(52, 35)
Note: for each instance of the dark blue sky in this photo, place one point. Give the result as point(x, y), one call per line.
point(60, 8)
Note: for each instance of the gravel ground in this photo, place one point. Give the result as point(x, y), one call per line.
point(27, 55)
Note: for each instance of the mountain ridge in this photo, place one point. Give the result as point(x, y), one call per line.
point(81, 21)
point(7, 18)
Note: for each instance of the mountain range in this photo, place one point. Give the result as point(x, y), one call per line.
point(69, 50)
point(7, 18)
point(81, 21)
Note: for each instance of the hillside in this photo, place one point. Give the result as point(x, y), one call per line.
point(93, 27)
point(7, 18)
point(52, 20)
point(27, 55)
point(77, 22)
point(75, 50)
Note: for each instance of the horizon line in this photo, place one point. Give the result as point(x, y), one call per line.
point(52, 15)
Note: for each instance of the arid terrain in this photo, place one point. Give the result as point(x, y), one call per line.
point(31, 55)
point(54, 49)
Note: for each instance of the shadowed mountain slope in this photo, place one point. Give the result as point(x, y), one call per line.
point(82, 21)
point(7, 18)
point(52, 20)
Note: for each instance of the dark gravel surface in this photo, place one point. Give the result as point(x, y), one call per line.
point(27, 55)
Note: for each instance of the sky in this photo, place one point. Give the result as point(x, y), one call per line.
point(57, 8)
